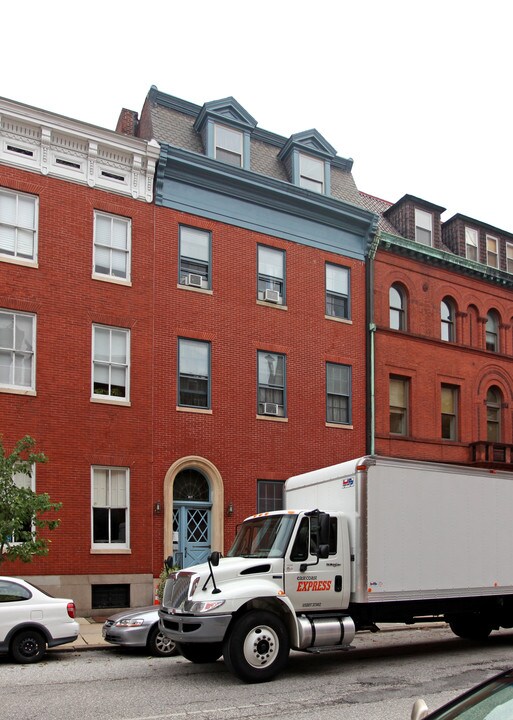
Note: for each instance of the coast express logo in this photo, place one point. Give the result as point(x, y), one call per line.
point(311, 584)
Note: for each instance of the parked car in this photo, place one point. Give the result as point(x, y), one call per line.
point(32, 620)
point(490, 700)
point(138, 627)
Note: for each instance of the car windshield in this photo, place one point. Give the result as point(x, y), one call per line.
point(263, 537)
point(494, 701)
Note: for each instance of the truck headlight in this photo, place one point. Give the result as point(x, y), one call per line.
point(202, 607)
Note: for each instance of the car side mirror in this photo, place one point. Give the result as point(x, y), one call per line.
point(419, 710)
point(323, 552)
point(214, 558)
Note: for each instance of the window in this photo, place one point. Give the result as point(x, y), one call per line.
point(423, 227)
point(311, 173)
point(18, 225)
point(493, 414)
point(195, 257)
point(11, 591)
point(471, 244)
point(492, 251)
point(228, 145)
point(17, 350)
point(112, 241)
point(28, 482)
point(492, 331)
point(271, 274)
point(111, 362)
point(447, 320)
point(399, 405)
point(397, 308)
point(269, 495)
point(271, 384)
point(193, 373)
point(110, 493)
point(509, 257)
point(449, 404)
point(337, 291)
point(338, 393)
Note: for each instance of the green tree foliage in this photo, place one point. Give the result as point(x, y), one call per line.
point(21, 509)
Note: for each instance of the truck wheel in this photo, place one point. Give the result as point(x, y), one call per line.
point(257, 647)
point(470, 627)
point(200, 652)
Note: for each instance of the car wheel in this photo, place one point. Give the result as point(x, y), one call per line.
point(28, 646)
point(159, 644)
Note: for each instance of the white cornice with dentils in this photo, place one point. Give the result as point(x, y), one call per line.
point(54, 145)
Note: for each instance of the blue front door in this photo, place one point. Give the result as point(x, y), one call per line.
point(191, 517)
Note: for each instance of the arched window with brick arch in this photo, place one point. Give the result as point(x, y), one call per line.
point(398, 307)
point(494, 414)
point(492, 331)
point(448, 320)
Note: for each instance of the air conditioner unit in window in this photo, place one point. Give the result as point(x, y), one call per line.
point(194, 280)
point(272, 296)
point(271, 408)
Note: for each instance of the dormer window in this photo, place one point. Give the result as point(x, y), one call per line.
point(423, 227)
point(229, 145)
point(311, 173)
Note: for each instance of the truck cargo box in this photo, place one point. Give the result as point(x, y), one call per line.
point(417, 530)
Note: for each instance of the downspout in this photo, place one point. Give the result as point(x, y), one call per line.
point(371, 325)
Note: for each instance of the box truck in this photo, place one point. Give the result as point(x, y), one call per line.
point(369, 541)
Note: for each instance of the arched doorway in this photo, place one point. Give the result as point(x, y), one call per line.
point(194, 511)
point(191, 517)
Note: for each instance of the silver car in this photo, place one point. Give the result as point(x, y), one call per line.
point(138, 627)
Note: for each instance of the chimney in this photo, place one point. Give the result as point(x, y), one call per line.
point(127, 122)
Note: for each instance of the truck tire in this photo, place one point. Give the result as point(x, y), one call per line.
point(470, 627)
point(257, 647)
point(200, 652)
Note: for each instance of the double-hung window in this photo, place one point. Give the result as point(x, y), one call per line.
point(18, 225)
point(110, 507)
point(509, 257)
point(447, 320)
point(423, 227)
point(17, 350)
point(25, 531)
point(338, 393)
point(271, 384)
point(449, 403)
point(111, 363)
point(112, 241)
point(399, 398)
point(471, 244)
point(195, 257)
point(271, 274)
point(311, 173)
point(193, 373)
point(492, 251)
point(269, 495)
point(397, 308)
point(229, 145)
point(337, 291)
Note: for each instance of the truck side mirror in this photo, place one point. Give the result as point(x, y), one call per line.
point(323, 552)
point(214, 558)
point(324, 529)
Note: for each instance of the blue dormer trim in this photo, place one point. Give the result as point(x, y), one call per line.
point(230, 113)
point(309, 142)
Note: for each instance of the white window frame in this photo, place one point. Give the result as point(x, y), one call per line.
point(423, 224)
point(471, 241)
point(312, 173)
point(16, 256)
point(338, 278)
point(110, 545)
point(111, 365)
point(223, 150)
point(267, 279)
point(509, 257)
point(110, 249)
point(19, 353)
point(492, 256)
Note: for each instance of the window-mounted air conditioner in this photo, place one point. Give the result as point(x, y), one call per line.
point(272, 296)
point(193, 280)
point(271, 408)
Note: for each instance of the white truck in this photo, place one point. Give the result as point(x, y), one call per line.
point(372, 540)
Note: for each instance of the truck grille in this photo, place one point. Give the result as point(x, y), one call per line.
point(177, 590)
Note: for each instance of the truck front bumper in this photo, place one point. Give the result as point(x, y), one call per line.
point(194, 628)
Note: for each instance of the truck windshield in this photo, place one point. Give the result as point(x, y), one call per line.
point(263, 537)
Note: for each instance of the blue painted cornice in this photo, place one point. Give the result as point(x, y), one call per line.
point(310, 140)
point(227, 110)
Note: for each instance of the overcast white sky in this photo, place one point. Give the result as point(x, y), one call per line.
point(417, 93)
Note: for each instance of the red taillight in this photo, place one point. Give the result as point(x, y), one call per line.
point(71, 609)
